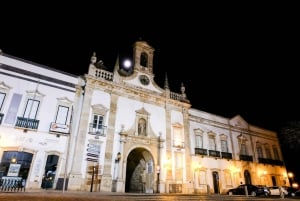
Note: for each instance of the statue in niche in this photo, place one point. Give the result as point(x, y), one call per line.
point(142, 127)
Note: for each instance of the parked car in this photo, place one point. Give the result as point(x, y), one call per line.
point(297, 193)
point(253, 190)
point(291, 191)
point(274, 190)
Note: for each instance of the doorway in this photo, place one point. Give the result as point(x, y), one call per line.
point(247, 177)
point(140, 172)
point(50, 171)
point(215, 175)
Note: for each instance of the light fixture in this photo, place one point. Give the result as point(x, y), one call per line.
point(118, 158)
point(13, 159)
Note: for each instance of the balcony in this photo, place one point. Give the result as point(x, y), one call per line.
point(27, 123)
point(200, 151)
point(270, 161)
point(246, 158)
point(1, 117)
point(214, 153)
point(97, 130)
point(226, 155)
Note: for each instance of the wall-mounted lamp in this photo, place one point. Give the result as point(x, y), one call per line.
point(118, 158)
point(13, 159)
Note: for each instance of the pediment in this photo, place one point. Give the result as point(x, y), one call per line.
point(142, 111)
point(65, 100)
point(99, 109)
point(35, 93)
point(4, 87)
point(238, 121)
point(143, 81)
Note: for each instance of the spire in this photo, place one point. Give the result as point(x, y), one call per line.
point(166, 86)
point(117, 65)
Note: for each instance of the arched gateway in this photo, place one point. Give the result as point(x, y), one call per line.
point(140, 171)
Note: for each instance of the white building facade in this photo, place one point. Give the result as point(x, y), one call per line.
point(120, 132)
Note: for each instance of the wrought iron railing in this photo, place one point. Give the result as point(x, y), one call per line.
point(201, 151)
point(270, 161)
point(98, 130)
point(28, 123)
point(12, 184)
point(226, 155)
point(246, 158)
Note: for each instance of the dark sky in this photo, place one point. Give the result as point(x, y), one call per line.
point(232, 60)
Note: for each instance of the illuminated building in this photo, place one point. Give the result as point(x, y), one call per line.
point(119, 132)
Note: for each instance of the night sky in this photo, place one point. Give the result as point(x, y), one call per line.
point(232, 63)
point(232, 59)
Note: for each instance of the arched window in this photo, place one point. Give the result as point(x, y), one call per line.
point(144, 59)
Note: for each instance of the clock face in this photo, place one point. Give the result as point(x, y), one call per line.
point(144, 79)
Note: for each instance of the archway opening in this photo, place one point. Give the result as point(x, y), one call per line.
point(139, 171)
point(50, 171)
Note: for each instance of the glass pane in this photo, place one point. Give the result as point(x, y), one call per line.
point(62, 115)
point(198, 141)
point(243, 149)
point(31, 109)
point(212, 145)
point(224, 146)
point(2, 97)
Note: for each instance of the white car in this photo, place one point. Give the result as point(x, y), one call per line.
point(274, 190)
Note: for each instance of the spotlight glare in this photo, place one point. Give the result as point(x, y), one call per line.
point(127, 64)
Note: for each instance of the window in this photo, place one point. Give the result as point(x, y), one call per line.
point(276, 154)
point(268, 151)
point(2, 98)
point(144, 59)
point(62, 115)
point(224, 147)
point(243, 149)
point(178, 135)
point(31, 109)
point(4, 91)
point(259, 151)
point(97, 122)
point(243, 146)
point(199, 141)
point(212, 143)
point(198, 138)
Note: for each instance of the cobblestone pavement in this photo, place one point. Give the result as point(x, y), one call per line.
point(45, 195)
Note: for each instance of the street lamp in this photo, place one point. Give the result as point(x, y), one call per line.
point(158, 172)
point(291, 177)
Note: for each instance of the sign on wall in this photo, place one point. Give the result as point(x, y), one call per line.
point(13, 170)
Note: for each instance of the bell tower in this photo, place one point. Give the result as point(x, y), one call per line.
point(143, 57)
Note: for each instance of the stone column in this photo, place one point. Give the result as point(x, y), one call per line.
point(121, 164)
point(106, 181)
